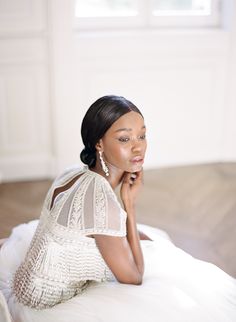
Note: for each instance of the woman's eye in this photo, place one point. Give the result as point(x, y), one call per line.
point(143, 137)
point(123, 139)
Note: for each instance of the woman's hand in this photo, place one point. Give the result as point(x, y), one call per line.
point(130, 187)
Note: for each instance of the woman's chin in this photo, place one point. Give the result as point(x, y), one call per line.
point(136, 168)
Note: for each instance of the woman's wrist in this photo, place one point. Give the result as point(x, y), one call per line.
point(129, 207)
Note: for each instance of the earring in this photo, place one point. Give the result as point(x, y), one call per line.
point(104, 166)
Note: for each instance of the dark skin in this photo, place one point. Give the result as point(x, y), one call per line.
point(123, 149)
point(116, 146)
point(119, 145)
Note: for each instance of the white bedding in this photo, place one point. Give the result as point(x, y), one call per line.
point(176, 287)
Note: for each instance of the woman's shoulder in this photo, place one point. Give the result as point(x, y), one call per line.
point(88, 206)
point(69, 172)
point(61, 180)
point(78, 183)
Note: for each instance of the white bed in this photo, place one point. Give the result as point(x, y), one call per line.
point(176, 287)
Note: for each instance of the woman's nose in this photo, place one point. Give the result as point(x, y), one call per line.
point(137, 145)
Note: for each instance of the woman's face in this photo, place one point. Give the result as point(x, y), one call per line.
point(124, 144)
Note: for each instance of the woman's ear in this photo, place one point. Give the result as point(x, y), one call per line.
point(99, 145)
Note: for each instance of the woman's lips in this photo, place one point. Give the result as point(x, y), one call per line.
point(137, 160)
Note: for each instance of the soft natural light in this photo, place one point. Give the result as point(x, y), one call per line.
point(182, 298)
point(207, 275)
point(181, 8)
point(95, 14)
point(106, 8)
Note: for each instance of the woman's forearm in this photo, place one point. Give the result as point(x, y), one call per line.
point(133, 239)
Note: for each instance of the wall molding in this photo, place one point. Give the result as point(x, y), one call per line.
point(23, 51)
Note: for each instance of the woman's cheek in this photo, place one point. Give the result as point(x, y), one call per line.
point(125, 153)
point(120, 156)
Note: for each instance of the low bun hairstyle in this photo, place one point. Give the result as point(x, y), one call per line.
point(88, 156)
point(98, 119)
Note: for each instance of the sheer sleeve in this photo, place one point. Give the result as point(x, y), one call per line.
point(102, 212)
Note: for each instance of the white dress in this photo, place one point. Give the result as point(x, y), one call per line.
point(62, 260)
point(176, 286)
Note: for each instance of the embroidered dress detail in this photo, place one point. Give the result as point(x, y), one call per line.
point(62, 260)
point(100, 204)
point(77, 204)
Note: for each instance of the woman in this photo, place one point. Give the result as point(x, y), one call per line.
point(84, 237)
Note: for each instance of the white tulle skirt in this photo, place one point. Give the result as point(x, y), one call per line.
point(176, 287)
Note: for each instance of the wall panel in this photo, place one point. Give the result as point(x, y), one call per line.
point(25, 112)
point(22, 16)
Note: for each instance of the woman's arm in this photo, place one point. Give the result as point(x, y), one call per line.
point(134, 240)
point(119, 257)
point(129, 192)
point(124, 255)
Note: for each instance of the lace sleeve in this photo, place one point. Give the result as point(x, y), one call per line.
point(102, 212)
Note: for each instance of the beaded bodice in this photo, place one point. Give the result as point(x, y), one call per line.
point(62, 258)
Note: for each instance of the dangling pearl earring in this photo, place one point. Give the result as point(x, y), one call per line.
point(104, 166)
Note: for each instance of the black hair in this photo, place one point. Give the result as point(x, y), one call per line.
point(98, 119)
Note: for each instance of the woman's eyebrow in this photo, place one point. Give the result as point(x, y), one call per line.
point(128, 130)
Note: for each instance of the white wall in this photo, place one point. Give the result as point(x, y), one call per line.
point(25, 124)
point(183, 81)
